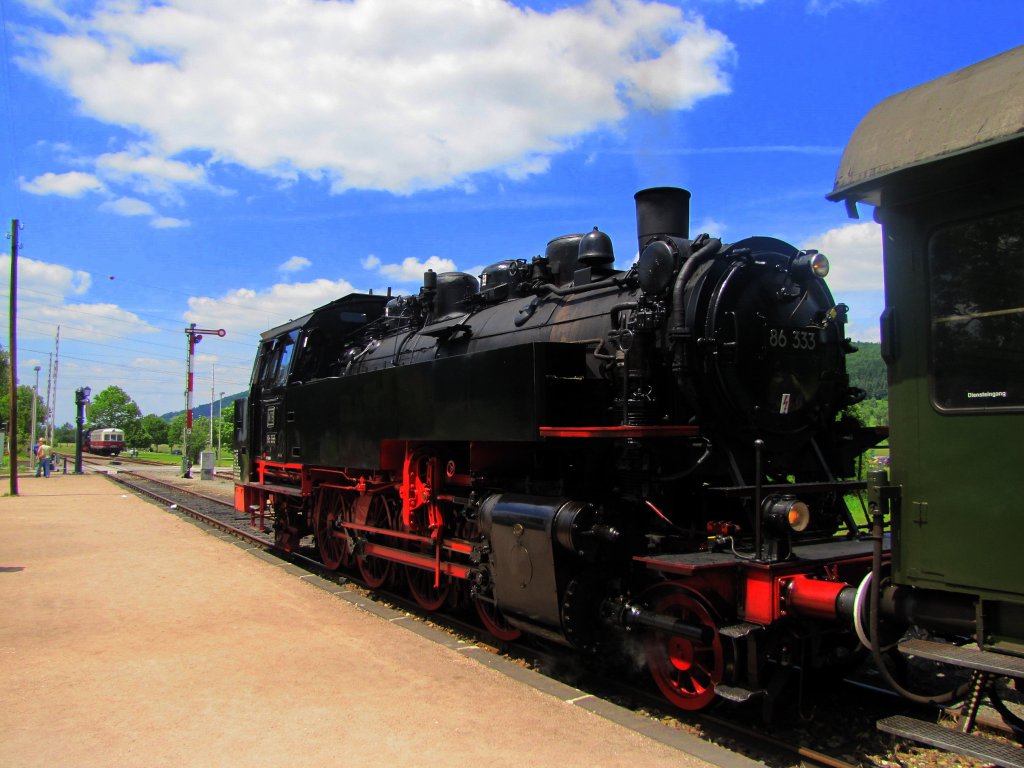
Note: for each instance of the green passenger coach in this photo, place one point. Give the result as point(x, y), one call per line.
point(943, 166)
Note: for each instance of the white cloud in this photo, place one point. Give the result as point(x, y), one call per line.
point(89, 322)
point(168, 222)
point(44, 290)
point(244, 311)
point(40, 278)
point(378, 94)
point(825, 6)
point(370, 262)
point(73, 184)
point(855, 256)
point(712, 226)
point(295, 264)
point(147, 173)
point(128, 206)
point(411, 270)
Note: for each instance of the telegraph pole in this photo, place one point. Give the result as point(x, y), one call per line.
point(56, 365)
point(195, 335)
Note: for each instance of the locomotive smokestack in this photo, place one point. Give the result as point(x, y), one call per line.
point(662, 211)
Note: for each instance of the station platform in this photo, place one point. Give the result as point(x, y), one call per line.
point(130, 636)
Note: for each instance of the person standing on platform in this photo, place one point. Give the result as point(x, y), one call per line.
point(43, 457)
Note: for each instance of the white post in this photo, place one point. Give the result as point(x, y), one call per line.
point(213, 381)
point(32, 459)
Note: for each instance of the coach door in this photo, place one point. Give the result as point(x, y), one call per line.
point(958, 398)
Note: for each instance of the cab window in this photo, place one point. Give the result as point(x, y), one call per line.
point(275, 369)
point(976, 284)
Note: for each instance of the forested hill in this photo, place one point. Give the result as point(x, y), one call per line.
point(207, 409)
point(867, 370)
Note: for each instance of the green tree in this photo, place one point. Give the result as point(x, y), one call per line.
point(867, 370)
point(227, 428)
point(871, 413)
point(113, 408)
point(199, 439)
point(135, 436)
point(24, 413)
point(5, 371)
point(155, 429)
point(65, 433)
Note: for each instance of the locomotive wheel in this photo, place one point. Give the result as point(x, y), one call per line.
point(494, 621)
point(421, 585)
point(686, 671)
point(491, 617)
point(284, 530)
point(331, 506)
point(380, 514)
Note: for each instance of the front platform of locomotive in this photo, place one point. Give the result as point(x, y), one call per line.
point(755, 553)
point(752, 353)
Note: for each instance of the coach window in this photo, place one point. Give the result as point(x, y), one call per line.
point(976, 282)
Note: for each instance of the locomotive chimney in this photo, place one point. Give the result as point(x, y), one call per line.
point(662, 211)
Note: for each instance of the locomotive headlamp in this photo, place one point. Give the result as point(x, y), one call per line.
point(811, 263)
point(787, 513)
point(819, 265)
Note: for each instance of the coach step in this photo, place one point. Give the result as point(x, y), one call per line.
point(972, 745)
point(965, 656)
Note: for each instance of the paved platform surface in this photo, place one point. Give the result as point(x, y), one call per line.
point(130, 637)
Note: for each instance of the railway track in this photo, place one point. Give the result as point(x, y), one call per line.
point(852, 743)
point(106, 461)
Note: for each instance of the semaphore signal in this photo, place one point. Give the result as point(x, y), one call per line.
point(195, 335)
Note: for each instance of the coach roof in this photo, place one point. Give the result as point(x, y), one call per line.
point(973, 108)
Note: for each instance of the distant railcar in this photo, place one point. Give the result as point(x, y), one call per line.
point(105, 442)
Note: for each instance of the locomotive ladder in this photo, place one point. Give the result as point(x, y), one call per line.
point(986, 666)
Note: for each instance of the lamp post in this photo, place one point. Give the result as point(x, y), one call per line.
point(81, 398)
point(32, 458)
point(220, 422)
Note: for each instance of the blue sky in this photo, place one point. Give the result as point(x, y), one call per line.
point(238, 164)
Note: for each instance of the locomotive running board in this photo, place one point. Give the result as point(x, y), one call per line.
point(284, 490)
point(972, 745)
point(846, 486)
point(619, 432)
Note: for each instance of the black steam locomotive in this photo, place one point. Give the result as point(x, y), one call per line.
point(654, 458)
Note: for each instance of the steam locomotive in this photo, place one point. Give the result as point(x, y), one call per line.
point(648, 462)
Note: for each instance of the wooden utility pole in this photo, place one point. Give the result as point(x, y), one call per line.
point(12, 416)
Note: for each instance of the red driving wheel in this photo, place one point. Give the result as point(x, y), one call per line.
point(686, 671)
point(380, 514)
point(332, 506)
point(494, 621)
